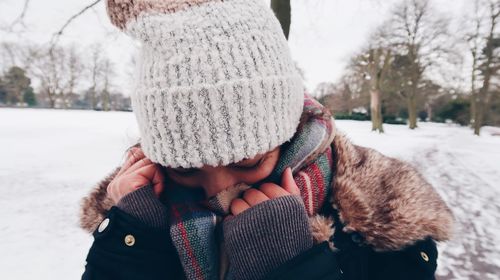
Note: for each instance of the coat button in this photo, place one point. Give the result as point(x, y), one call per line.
point(424, 256)
point(129, 240)
point(356, 238)
point(104, 224)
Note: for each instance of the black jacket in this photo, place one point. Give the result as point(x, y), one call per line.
point(127, 249)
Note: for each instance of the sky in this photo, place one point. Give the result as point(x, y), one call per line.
point(324, 33)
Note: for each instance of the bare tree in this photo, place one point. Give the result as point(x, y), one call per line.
point(95, 68)
point(373, 64)
point(49, 69)
point(107, 74)
point(484, 42)
point(473, 38)
point(378, 64)
point(74, 71)
point(420, 34)
point(343, 97)
point(59, 71)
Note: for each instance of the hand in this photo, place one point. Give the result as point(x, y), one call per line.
point(269, 233)
point(266, 191)
point(136, 172)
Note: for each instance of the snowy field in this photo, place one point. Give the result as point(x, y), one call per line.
point(51, 158)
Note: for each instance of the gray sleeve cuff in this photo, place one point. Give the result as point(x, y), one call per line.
point(266, 236)
point(145, 206)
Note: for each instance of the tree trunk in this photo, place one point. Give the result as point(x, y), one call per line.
point(52, 99)
point(52, 103)
point(478, 119)
point(473, 95)
point(376, 111)
point(105, 100)
point(282, 10)
point(483, 104)
point(412, 111)
point(93, 99)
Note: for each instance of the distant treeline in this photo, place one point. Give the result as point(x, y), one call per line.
point(64, 77)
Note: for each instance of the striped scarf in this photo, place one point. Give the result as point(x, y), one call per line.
point(195, 222)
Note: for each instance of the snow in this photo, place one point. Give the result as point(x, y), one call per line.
point(51, 159)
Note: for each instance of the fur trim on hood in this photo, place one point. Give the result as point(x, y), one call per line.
point(384, 199)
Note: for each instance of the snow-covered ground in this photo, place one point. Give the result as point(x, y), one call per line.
point(51, 158)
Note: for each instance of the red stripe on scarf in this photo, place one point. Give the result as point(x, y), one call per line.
point(301, 182)
point(189, 250)
point(320, 185)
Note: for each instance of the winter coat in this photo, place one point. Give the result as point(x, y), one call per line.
point(382, 222)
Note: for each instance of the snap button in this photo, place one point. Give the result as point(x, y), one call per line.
point(356, 238)
point(104, 224)
point(129, 240)
point(424, 256)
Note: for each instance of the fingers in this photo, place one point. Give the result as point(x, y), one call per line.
point(133, 155)
point(254, 197)
point(137, 165)
point(250, 198)
point(136, 172)
point(148, 171)
point(265, 192)
point(288, 183)
point(273, 190)
point(238, 205)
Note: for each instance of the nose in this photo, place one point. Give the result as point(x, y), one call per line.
point(217, 179)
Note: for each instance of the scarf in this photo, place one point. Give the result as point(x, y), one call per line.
point(195, 222)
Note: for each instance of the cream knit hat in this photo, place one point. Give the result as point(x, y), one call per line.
point(214, 83)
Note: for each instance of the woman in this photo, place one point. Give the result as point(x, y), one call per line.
point(238, 174)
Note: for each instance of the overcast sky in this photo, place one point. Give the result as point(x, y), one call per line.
point(324, 33)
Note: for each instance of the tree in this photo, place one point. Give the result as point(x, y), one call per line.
point(74, 72)
point(371, 66)
point(15, 84)
point(377, 64)
point(484, 45)
point(282, 10)
point(30, 97)
point(421, 35)
point(474, 40)
point(343, 97)
point(49, 70)
point(3, 92)
point(107, 74)
point(59, 71)
point(95, 69)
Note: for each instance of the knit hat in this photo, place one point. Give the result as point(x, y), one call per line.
point(214, 83)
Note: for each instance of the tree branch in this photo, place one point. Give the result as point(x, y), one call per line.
point(57, 35)
point(20, 18)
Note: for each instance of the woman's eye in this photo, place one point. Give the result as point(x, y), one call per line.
point(252, 166)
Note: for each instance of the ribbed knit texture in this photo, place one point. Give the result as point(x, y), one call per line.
point(266, 236)
point(145, 206)
point(214, 80)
